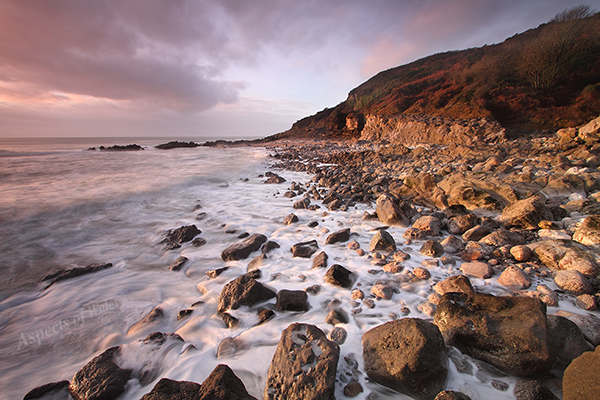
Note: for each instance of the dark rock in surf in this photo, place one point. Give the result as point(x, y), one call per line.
point(340, 276)
point(178, 264)
point(292, 300)
point(167, 389)
point(101, 378)
point(305, 249)
point(242, 250)
point(61, 275)
point(155, 314)
point(320, 260)
point(532, 390)
point(288, 378)
point(47, 389)
point(338, 237)
point(269, 245)
point(183, 234)
point(128, 147)
point(243, 291)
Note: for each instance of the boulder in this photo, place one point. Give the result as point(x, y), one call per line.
point(337, 316)
point(431, 226)
point(432, 248)
point(476, 233)
point(532, 390)
point(382, 291)
point(223, 384)
point(588, 232)
point(567, 340)
point(407, 355)
point(589, 325)
point(182, 234)
point(304, 365)
point(320, 260)
point(242, 250)
point(501, 238)
point(526, 214)
point(568, 255)
point(580, 381)
point(338, 237)
point(340, 276)
point(475, 193)
point(274, 178)
point(521, 253)
point(389, 212)
point(155, 314)
point(178, 264)
point(452, 244)
point(461, 223)
point(290, 219)
point(50, 390)
point(100, 379)
point(573, 282)
point(509, 333)
point(292, 300)
point(305, 249)
point(455, 283)
point(477, 269)
point(514, 278)
point(167, 389)
point(302, 204)
point(243, 291)
point(269, 246)
point(382, 241)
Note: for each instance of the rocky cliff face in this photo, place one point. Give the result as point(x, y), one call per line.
point(411, 130)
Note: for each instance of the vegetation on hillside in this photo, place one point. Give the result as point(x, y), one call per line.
point(542, 79)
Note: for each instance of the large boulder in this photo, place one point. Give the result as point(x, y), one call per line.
point(588, 232)
point(407, 355)
point(339, 236)
point(567, 340)
point(430, 225)
point(243, 291)
point(461, 223)
point(340, 276)
point(292, 300)
point(242, 250)
point(168, 389)
point(100, 379)
point(526, 214)
point(389, 212)
point(304, 365)
point(580, 381)
point(567, 255)
point(454, 283)
point(508, 332)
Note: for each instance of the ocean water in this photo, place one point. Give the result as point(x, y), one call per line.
point(62, 207)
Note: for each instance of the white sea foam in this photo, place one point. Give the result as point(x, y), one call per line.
point(85, 207)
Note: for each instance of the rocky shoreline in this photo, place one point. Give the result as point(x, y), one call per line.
point(523, 214)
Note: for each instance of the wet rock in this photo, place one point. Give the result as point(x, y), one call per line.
point(229, 347)
point(407, 355)
point(352, 389)
point(197, 242)
point(167, 389)
point(338, 335)
point(382, 241)
point(573, 282)
point(400, 256)
point(60, 275)
point(338, 237)
point(501, 238)
point(508, 332)
point(265, 315)
point(257, 262)
point(431, 226)
point(340, 276)
point(542, 293)
point(432, 248)
point(586, 302)
point(184, 313)
point(214, 273)
point(421, 273)
point(269, 246)
point(580, 380)
point(274, 178)
point(382, 291)
point(526, 214)
point(588, 232)
point(101, 378)
point(393, 267)
point(476, 233)
point(414, 234)
point(567, 340)
point(223, 384)
point(567, 254)
point(389, 211)
point(229, 320)
point(292, 300)
point(477, 269)
point(290, 219)
point(242, 250)
point(178, 264)
point(302, 204)
point(461, 223)
point(451, 395)
point(50, 389)
point(320, 260)
point(305, 249)
point(337, 316)
point(243, 291)
point(154, 315)
point(521, 253)
point(182, 234)
point(475, 251)
point(455, 283)
point(589, 325)
point(452, 244)
point(304, 365)
point(532, 390)
point(514, 278)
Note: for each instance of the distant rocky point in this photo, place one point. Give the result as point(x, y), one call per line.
point(176, 144)
point(129, 147)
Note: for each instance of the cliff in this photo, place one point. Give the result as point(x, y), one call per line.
point(543, 79)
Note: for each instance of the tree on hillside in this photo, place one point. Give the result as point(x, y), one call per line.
point(549, 58)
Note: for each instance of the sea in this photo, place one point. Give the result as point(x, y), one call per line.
point(64, 206)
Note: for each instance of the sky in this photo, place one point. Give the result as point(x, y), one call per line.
point(220, 68)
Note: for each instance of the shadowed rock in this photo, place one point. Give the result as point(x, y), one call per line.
point(305, 249)
point(340, 276)
point(243, 291)
point(242, 250)
point(339, 236)
point(61, 275)
point(47, 389)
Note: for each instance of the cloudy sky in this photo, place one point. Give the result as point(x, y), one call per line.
point(220, 67)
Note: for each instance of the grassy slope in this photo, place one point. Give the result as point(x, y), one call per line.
point(543, 79)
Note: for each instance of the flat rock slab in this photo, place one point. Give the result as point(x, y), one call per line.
point(243, 291)
point(407, 355)
point(304, 365)
point(305, 249)
point(63, 274)
point(100, 379)
point(242, 250)
point(508, 332)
